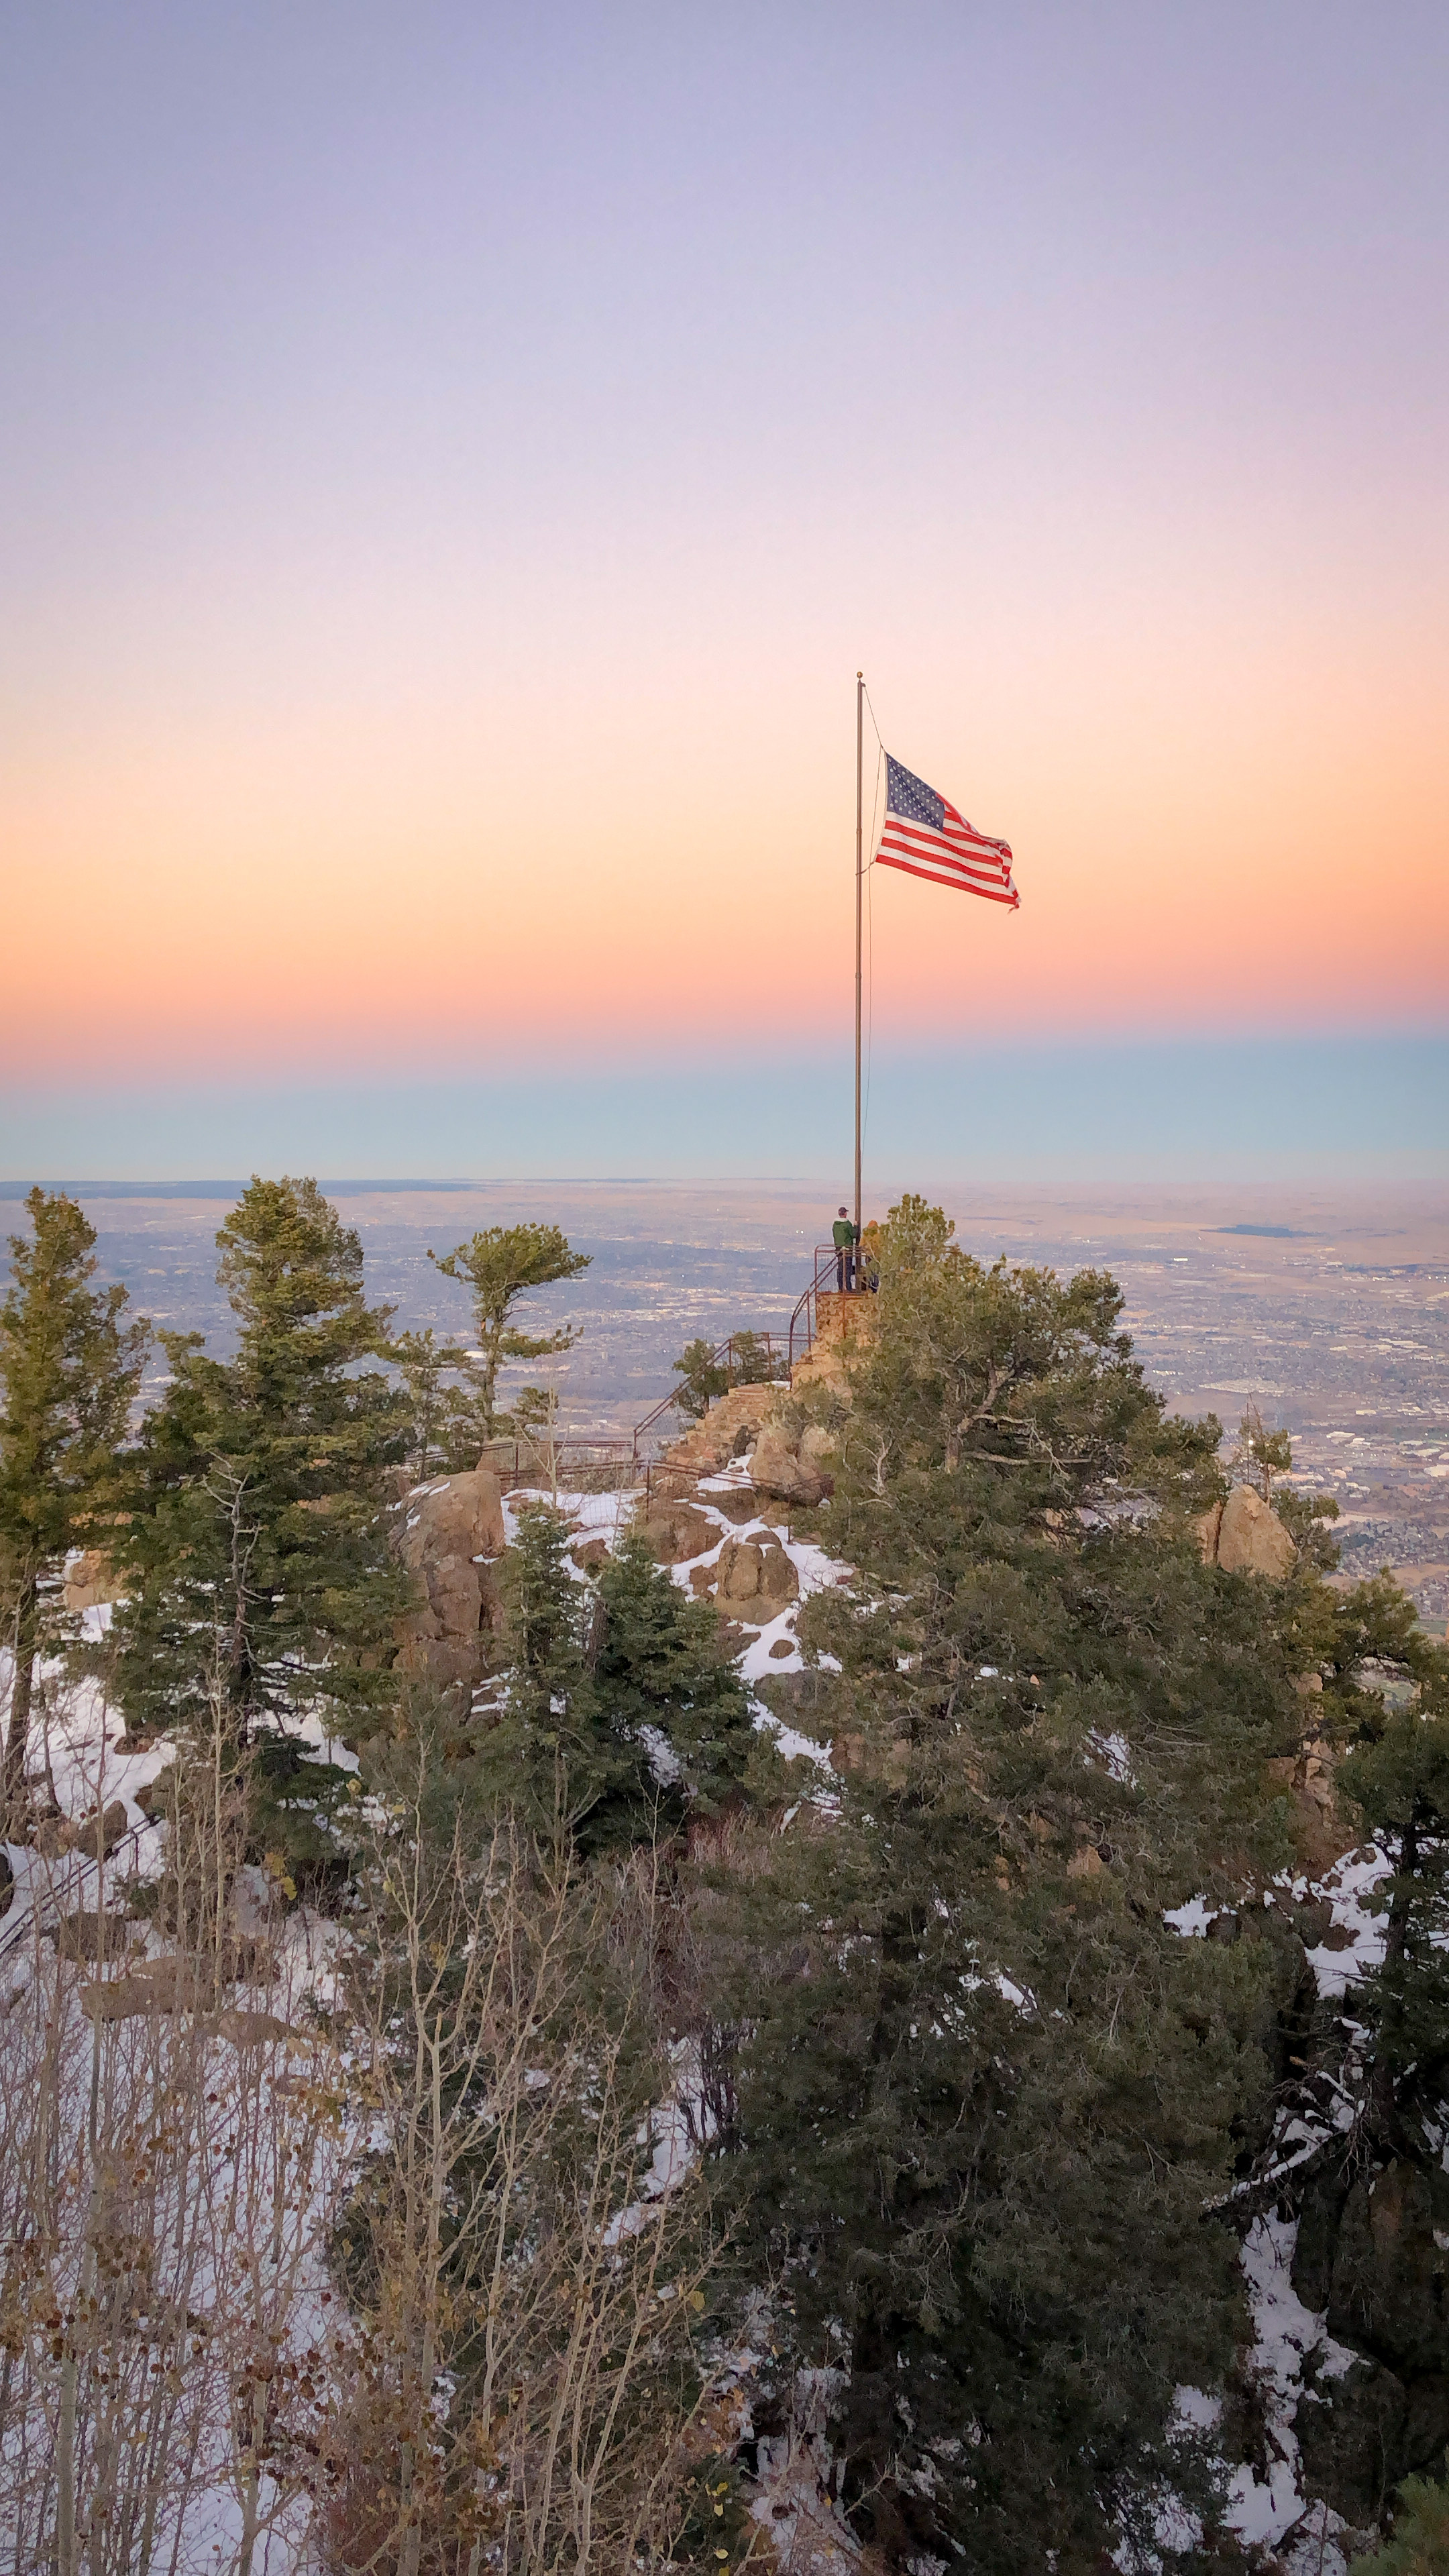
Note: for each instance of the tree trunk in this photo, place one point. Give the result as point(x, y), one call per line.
point(1383, 2102)
point(27, 1621)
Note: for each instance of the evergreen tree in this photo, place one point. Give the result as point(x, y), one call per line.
point(749, 1361)
point(70, 1367)
point(500, 1265)
point(540, 1760)
point(987, 2094)
point(256, 1546)
point(423, 1362)
point(665, 1686)
point(1419, 2542)
point(702, 1379)
point(621, 1712)
point(1397, 1773)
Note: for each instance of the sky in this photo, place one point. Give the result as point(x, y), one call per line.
point(454, 461)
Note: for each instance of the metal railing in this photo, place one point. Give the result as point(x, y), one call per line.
point(723, 1352)
point(589, 1454)
point(825, 1280)
point(63, 1889)
point(623, 1456)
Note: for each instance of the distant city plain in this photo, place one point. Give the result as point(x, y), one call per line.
point(1328, 1308)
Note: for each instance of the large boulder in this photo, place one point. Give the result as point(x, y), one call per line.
point(678, 1530)
point(54, 1836)
point(756, 1579)
point(451, 1531)
point(1251, 1538)
point(1245, 1536)
point(453, 1516)
point(794, 1460)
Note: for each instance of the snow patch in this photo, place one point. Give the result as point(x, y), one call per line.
point(1273, 2510)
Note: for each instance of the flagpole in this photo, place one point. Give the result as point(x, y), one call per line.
point(859, 740)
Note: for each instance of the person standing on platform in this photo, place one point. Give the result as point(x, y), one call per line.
point(842, 1235)
point(867, 1259)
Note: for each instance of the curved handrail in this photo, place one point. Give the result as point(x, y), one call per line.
point(826, 1258)
point(722, 1351)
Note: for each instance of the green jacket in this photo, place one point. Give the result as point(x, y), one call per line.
point(842, 1234)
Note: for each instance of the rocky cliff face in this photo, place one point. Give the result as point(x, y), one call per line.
point(1371, 2256)
point(844, 1327)
point(449, 1536)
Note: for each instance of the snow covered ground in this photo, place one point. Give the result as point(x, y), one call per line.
point(773, 1650)
point(213, 2173)
point(1291, 2343)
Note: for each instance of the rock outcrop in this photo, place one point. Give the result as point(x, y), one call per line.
point(844, 1328)
point(677, 1530)
point(90, 1580)
point(726, 1431)
point(451, 1530)
point(1245, 1536)
point(54, 1836)
point(793, 1459)
point(1371, 2253)
point(755, 1579)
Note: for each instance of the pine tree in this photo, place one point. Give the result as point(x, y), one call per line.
point(1398, 1775)
point(500, 1265)
point(702, 1379)
point(622, 1712)
point(750, 1360)
point(1419, 2542)
point(987, 2094)
point(664, 1686)
point(256, 1546)
point(539, 1760)
point(422, 1362)
point(70, 1368)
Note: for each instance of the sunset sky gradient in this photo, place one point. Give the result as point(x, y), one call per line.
point(454, 460)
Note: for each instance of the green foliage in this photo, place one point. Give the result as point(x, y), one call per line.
point(702, 1379)
point(423, 1363)
point(500, 1265)
point(1261, 1453)
point(1398, 1774)
point(753, 1362)
point(293, 1809)
point(661, 1672)
point(539, 1760)
point(1419, 2543)
point(256, 1550)
point(1303, 1516)
point(986, 2093)
point(621, 1710)
point(70, 1367)
point(748, 1361)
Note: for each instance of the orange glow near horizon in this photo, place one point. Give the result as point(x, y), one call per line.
point(311, 896)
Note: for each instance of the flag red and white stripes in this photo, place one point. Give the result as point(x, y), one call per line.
point(926, 837)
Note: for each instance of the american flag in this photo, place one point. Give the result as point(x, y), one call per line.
point(928, 838)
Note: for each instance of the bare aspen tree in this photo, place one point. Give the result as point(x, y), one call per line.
point(525, 2241)
point(166, 2153)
